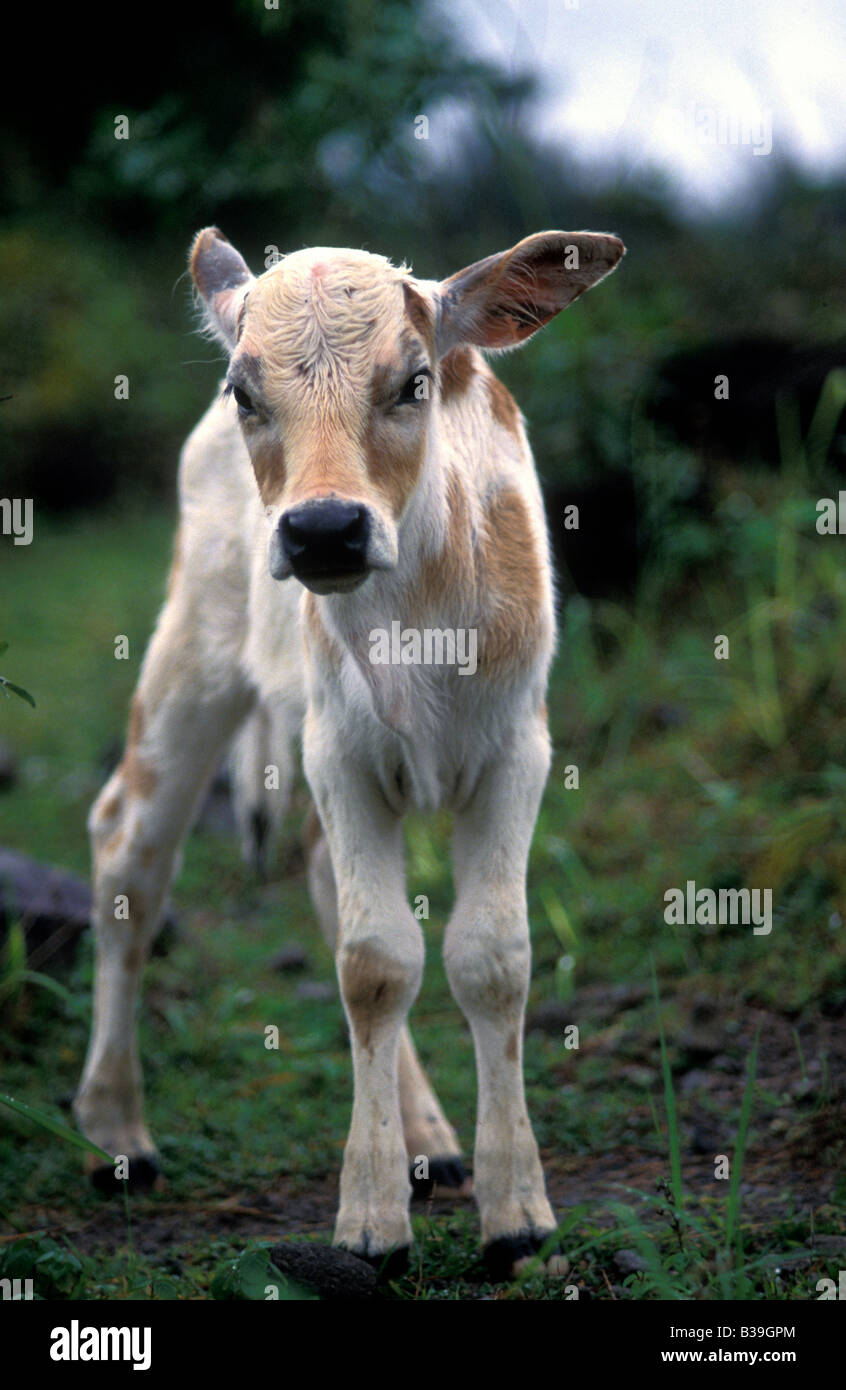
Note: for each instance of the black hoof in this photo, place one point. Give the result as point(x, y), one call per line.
point(503, 1253)
point(143, 1175)
point(443, 1172)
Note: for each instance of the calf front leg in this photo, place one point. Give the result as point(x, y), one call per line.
point(428, 1133)
point(487, 958)
point(379, 959)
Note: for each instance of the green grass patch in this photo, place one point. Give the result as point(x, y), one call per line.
point(727, 773)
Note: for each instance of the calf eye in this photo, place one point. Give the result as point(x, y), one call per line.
point(416, 389)
point(245, 405)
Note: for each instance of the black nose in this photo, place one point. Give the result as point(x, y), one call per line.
point(325, 539)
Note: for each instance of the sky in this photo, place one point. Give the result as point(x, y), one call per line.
point(705, 91)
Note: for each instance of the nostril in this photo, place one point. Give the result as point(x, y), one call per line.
point(353, 534)
point(293, 536)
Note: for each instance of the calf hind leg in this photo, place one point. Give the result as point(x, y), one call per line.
point(262, 769)
point(185, 709)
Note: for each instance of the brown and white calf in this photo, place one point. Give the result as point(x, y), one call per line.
point(362, 468)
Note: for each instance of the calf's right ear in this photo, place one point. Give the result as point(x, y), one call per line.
point(222, 278)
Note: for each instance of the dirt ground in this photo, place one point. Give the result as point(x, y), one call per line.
point(792, 1168)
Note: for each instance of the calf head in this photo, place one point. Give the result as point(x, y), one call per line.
point(333, 365)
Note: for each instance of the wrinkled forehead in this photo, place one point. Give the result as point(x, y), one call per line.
point(329, 319)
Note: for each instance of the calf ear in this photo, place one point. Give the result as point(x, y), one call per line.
point(222, 278)
point(502, 300)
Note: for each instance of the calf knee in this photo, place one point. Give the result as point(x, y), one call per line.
point(108, 827)
point(379, 981)
point(131, 864)
point(106, 813)
point(488, 970)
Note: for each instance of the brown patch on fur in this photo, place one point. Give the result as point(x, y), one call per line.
point(139, 778)
point(137, 909)
point(389, 377)
point(543, 711)
point(112, 807)
point(512, 1050)
point(268, 462)
point(136, 721)
point(382, 383)
point(373, 986)
point(411, 349)
point(149, 855)
point(112, 843)
point(395, 471)
point(327, 464)
point(503, 405)
point(419, 314)
point(248, 359)
point(317, 638)
point(133, 960)
point(452, 568)
point(512, 578)
point(455, 372)
point(312, 830)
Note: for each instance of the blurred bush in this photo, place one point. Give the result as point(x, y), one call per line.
point(296, 126)
point(73, 318)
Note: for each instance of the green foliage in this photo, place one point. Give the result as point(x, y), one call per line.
point(7, 687)
point(327, 131)
point(311, 139)
point(251, 1275)
point(68, 440)
point(56, 1270)
point(694, 1256)
point(670, 1103)
point(54, 1126)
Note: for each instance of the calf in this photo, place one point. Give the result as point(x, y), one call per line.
point(363, 478)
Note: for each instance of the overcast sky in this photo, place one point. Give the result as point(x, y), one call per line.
point(705, 90)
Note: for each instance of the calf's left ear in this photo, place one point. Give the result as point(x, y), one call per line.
point(222, 278)
point(502, 300)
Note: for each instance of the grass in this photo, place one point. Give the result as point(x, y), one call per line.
point(728, 773)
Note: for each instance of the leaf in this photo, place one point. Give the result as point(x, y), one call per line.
point(18, 690)
point(734, 1196)
point(670, 1104)
point(14, 956)
point(61, 1269)
point(35, 977)
point(56, 1127)
point(248, 1276)
point(164, 1288)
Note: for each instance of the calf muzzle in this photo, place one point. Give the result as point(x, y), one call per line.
point(325, 542)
